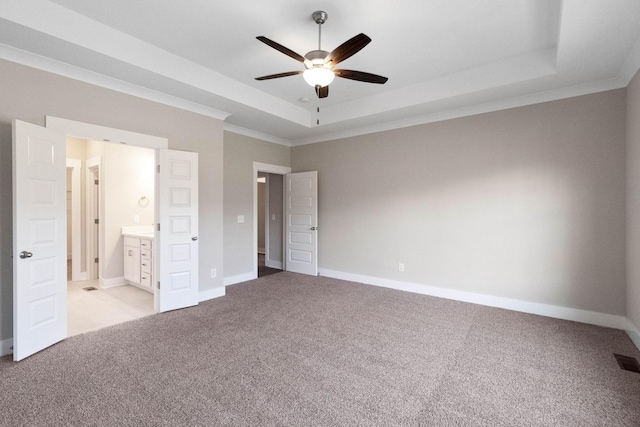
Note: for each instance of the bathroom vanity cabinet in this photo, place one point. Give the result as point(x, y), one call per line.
point(138, 261)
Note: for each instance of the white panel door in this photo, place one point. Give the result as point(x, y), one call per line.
point(302, 223)
point(39, 239)
point(177, 254)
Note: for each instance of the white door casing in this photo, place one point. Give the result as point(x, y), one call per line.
point(301, 229)
point(266, 168)
point(74, 220)
point(39, 238)
point(177, 239)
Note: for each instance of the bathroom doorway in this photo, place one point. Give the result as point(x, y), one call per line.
point(110, 181)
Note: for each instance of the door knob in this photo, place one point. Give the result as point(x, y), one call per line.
point(314, 228)
point(25, 254)
point(194, 238)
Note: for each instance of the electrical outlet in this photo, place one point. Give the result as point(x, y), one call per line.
point(214, 272)
point(273, 217)
point(401, 267)
point(136, 218)
point(240, 219)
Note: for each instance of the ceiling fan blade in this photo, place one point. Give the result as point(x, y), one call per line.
point(347, 49)
point(360, 76)
point(322, 92)
point(277, 76)
point(279, 47)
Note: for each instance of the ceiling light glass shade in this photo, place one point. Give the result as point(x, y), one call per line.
point(318, 76)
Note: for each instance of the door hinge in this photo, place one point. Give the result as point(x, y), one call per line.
point(158, 285)
point(96, 221)
point(96, 260)
point(158, 226)
point(96, 182)
point(158, 168)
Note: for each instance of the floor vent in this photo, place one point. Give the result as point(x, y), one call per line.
point(90, 288)
point(627, 363)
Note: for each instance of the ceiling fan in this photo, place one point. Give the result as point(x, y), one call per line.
point(319, 64)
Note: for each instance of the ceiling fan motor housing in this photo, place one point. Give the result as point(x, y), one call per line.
point(316, 58)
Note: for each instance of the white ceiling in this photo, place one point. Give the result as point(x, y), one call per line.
point(444, 58)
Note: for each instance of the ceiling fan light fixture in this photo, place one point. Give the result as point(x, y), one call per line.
point(318, 76)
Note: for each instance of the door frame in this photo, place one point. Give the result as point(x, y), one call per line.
point(76, 226)
point(266, 168)
point(88, 131)
point(93, 171)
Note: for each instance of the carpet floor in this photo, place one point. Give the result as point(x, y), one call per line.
point(292, 350)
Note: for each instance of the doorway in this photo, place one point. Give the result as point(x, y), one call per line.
point(97, 294)
point(39, 221)
point(276, 173)
point(270, 223)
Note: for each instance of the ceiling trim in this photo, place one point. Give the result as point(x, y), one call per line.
point(32, 60)
point(632, 64)
point(78, 30)
point(488, 107)
point(255, 134)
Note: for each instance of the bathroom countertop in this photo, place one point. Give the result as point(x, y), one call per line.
point(142, 231)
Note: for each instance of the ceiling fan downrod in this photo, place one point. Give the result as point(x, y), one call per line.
point(319, 17)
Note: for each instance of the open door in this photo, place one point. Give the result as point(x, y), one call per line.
point(177, 231)
point(301, 230)
point(39, 239)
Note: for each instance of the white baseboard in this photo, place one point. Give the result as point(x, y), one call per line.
point(228, 281)
point(273, 264)
point(112, 283)
point(5, 347)
point(558, 312)
point(634, 334)
point(212, 293)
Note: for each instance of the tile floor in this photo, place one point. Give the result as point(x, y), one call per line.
point(91, 310)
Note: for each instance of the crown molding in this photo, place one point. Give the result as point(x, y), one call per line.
point(65, 70)
point(503, 104)
point(255, 134)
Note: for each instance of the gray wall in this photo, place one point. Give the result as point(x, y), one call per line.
point(29, 95)
point(239, 154)
point(633, 202)
point(526, 203)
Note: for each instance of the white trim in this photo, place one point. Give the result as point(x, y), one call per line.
point(274, 264)
point(558, 312)
point(5, 347)
point(106, 134)
point(471, 110)
point(212, 293)
point(228, 127)
point(631, 64)
point(267, 232)
point(49, 65)
point(95, 163)
point(112, 283)
point(228, 281)
point(76, 222)
point(634, 334)
point(266, 168)
point(269, 168)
